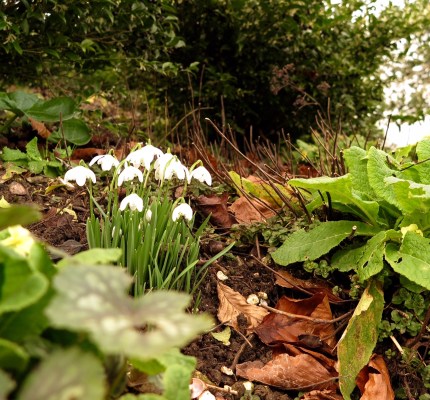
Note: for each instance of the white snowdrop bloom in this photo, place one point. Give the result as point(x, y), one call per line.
point(148, 215)
point(183, 210)
point(106, 161)
point(79, 174)
point(133, 201)
point(168, 165)
point(202, 175)
point(144, 156)
point(128, 174)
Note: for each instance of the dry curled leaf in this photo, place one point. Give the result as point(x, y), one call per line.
point(374, 380)
point(233, 304)
point(278, 328)
point(40, 128)
point(289, 372)
point(216, 206)
point(247, 211)
point(322, 395)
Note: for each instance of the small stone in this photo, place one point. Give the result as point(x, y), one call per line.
point(227, 371)
point(221, 276)
point(253, 299)
point(18, 189)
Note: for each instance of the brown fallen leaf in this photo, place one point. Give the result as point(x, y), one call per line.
point(233, 304)
point(277, 328)
point(40, 128)
point(217, 207)
point(289, 372)
point(247, 211)
point(374, 380)
point(86, 154)
point(285, 279)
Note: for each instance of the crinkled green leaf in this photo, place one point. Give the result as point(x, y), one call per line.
point(13, 154)
point(356, 345)
point(18, 215)
point(32, 150)
point(302, 245)
point(147, 396)
point(380, 166)
point(60, 108)
point(66, 374)
point(423, 153)
point(176, 381)
point(6, 385)
point(412, 260)
point(341, 193)
point(94, 299)
point(356, 162)
point(347, 258)
point(410, 197)
point(20, 285)
point(12, 356)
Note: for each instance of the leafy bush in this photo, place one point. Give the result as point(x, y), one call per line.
point(385, 201)
point(277, 63)
point(78, 314)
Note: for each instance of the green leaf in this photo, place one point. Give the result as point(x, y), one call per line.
point(356, 345)
point(147, 396)
point(423, 153)
point(412, 260)
point(356, 161)
point(341, 195)
point(18, 102)
point(223, 336)
point(66, 374)
point(18, 215)
point(20, 285)
point(13, 154)
point(60, 108)
point(75, 131)
point(6, 385)
point(176, 381)
point(93, 256)
point(33, 152)
point(302, 245)
point(12, 356)
point(94, 299)
point(410, 197)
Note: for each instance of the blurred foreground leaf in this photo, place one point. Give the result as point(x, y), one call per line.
point(18, 215)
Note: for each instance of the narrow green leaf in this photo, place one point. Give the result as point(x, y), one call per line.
point(81, 376)
point(302, 245)
point(356, 345)
point(412, 260)
point(95, 299)
point(12, 356)
point(60, 108)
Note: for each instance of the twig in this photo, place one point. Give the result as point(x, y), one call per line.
point(306, 318)
point(239, 353)
point(224, 389)
point(397, 344)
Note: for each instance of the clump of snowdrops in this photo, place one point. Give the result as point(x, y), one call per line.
point(159, 242)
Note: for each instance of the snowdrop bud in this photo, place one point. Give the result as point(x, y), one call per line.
point(106, 161)
point(128, 174)
point(183, 210)
point(79, 174)
point(202, 175)
point(133, 201)
point(148, 215)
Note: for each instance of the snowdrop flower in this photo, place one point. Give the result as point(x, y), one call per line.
point(133, 201)
point(128, 174)
point(79, 174)
point(168, 165)
point(202, 175)
point(106, 161)
point(183, 210)
point(148, 215)
point(144, 156)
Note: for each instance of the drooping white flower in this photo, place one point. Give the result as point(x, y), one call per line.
point(106, 161)
point(202, 175)
point(133, 201)
point(79, 174)
point(168, 165)
point(183, 210)
point(144, 156)
point(128, 174)
point(148, 215)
